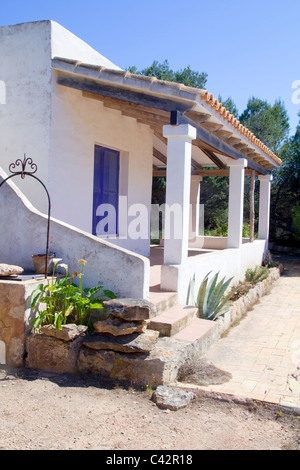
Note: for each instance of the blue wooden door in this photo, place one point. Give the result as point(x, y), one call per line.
point(106, 191)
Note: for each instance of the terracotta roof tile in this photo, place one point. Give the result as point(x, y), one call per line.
point(221, 110)
point(205, 96)
point(210, 100)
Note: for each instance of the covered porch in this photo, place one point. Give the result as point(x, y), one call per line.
point(186, 253)
point(193, 136)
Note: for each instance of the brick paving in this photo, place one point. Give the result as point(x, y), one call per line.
point(262, 352)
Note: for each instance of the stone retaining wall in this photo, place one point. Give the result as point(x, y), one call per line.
point(15, 316)
point(121, 348)
point(244, 303)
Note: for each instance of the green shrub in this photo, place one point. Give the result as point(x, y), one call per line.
point(221, 230)
point(259, 273)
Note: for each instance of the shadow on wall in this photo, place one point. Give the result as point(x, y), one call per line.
point(23, 233)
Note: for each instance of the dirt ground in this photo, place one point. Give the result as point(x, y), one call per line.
point(40, 411)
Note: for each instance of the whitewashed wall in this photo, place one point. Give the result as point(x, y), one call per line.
point(26, 50)
point(25, 116)
point(23, 233)
point(78, 123)
point(58, 128)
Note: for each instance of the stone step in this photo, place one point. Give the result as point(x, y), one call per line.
point(172, 320)
point(162, 300)
point(200, 331)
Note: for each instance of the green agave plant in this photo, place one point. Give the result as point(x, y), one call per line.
point(210, 301)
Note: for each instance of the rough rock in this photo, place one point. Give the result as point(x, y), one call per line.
point(171, 398)
point(68, 332)
point(9, 270)
point(130, 309)
point(116, 327)
point(159, 366)
point(53, 355)
point(134, 343)
point(137, 369)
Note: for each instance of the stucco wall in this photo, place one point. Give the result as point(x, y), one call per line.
point(77, 124)
point(65, 44)
point(26, 77)
point(23, 233)
point(25, 116)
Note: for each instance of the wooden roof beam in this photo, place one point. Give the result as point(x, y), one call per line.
point(207, 172)
point(157, 154)
point(214, 158)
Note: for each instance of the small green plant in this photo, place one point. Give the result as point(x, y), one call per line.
point(62, 301)
point(258, 274)
point(221, 230)
point(211, 299)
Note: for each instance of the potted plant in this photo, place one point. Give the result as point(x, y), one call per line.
point(39, 262)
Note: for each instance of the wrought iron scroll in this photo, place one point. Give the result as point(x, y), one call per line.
point(20, 168)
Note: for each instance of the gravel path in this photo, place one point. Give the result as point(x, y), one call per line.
point(41, 411)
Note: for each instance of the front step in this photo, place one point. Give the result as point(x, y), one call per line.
point(162, 300)
point(198, 330)
point(172, 320)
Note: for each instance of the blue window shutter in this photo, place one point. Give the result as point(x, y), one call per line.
point(106, 190)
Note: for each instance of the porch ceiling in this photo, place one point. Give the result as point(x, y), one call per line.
point(220, 137)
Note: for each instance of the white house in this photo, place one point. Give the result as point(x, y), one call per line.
point(98, 135)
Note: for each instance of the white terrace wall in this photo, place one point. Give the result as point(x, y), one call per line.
point(229, 262)
point(23, 233)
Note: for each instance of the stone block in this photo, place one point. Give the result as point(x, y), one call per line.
point(117, 327)
point(9, 270)
point(130, 309)
point(137, 369)
point(171, 398)
point(68, 332)
point(52, 355)
point(158, 367)
point(15, 317)
point(135, 343)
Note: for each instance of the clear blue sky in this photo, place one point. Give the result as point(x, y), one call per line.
point(247, 47)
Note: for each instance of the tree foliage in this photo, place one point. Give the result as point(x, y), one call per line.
point(162, 71)
point(270, 124)
point(230, 106)
point(285, 203)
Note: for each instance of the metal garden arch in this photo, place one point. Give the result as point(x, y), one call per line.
point(19, 169)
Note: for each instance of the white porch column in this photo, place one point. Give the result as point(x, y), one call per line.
point(264, 206)
point(194, 207)
point(178, 180)
point(236, 202)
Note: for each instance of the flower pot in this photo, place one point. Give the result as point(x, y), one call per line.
point(39, 262)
